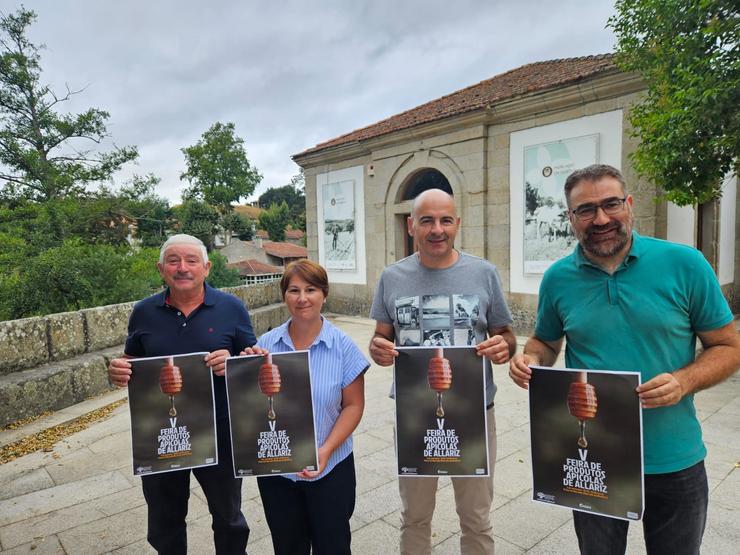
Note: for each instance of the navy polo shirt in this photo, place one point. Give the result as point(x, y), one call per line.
point(156, 328)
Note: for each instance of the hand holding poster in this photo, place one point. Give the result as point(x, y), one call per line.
point(441, 425)
point(173, 422)
point(271, 414)
point(586, 434)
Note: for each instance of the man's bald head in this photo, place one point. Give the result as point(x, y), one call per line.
point(432, 197)
point(433, 224)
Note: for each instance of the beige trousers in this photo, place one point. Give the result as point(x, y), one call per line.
point(473, 499)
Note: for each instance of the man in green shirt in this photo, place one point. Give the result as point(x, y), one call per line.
point(626, 302)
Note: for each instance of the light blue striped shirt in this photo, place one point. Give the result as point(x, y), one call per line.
point(335, 363)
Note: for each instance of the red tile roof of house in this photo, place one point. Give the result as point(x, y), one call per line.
point(284, 250)
point(526, 79)
point(289, 234)
point(254, 267)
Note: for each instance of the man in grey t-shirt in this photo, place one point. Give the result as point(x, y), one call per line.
point(439, 276)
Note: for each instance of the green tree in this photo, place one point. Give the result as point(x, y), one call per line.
point(274, 220)
point(198, 219)
point(75, 275)
point(151, 213)
point(292, 194)
point(43, 153)
point(220, 275)
point(218, 169)
point(243, 226)
point(688, 53)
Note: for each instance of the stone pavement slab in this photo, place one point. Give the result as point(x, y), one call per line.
point(82, 496)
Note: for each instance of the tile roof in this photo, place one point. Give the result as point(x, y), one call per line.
point(284, 250)
point(289, 234)
point(526, 79)
point(253, 267)
point(294, 234)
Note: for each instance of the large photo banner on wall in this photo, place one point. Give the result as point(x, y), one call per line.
point(173, 419)
point(338, 204)
point(271, 413)
point(547, 235)
point(441, 427)
point(586, 438)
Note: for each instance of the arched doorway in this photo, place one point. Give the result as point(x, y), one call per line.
point(423, 180)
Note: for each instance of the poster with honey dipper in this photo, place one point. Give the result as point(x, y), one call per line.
point(173, 420)
point(271, 414)
point(440, 412)
point(586, 441)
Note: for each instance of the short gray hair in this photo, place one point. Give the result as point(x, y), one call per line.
point(592, 173)
point(183, 239)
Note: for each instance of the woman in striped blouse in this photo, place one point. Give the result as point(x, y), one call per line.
point(312, 509)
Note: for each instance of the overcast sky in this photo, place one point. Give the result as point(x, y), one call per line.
point(289, 74)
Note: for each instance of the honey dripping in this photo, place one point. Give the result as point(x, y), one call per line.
point(582, 404)
point(440, 377)
point(269, 382)
point(170, 382)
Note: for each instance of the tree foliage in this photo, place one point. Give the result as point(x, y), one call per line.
point(274, 220)
point(220, 275)
point(76, 275)
point(238, 224)
point(198, 219)
point(218, 169)
point(688, 52)
point(65, 245)
point(45, 155)
point(292, 197)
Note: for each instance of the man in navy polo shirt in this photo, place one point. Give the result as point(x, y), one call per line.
point(190, 316)
point(627, 302)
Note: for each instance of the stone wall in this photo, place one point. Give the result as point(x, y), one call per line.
point(29, 342)
point(51, 362)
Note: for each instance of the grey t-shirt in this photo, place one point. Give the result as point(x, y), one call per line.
point(437, 307)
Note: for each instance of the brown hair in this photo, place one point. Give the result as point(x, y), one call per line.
point(592, 173)
point(309, 271)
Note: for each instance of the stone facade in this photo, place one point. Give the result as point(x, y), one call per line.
point(473, 152)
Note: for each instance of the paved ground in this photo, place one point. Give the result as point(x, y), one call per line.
point(82, 497)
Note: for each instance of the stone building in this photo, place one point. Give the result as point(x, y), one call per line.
point(268, 252)
point(502, 147)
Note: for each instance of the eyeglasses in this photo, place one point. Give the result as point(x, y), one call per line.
point(610, 207)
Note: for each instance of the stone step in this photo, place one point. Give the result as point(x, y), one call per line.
point(59, 384)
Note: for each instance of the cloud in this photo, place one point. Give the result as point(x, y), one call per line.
point(288, 74)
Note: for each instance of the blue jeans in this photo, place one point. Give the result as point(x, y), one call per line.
point(673, 521)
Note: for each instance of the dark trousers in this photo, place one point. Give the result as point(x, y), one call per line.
point(304, 515)
point(167, 497)
point(673, 522)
